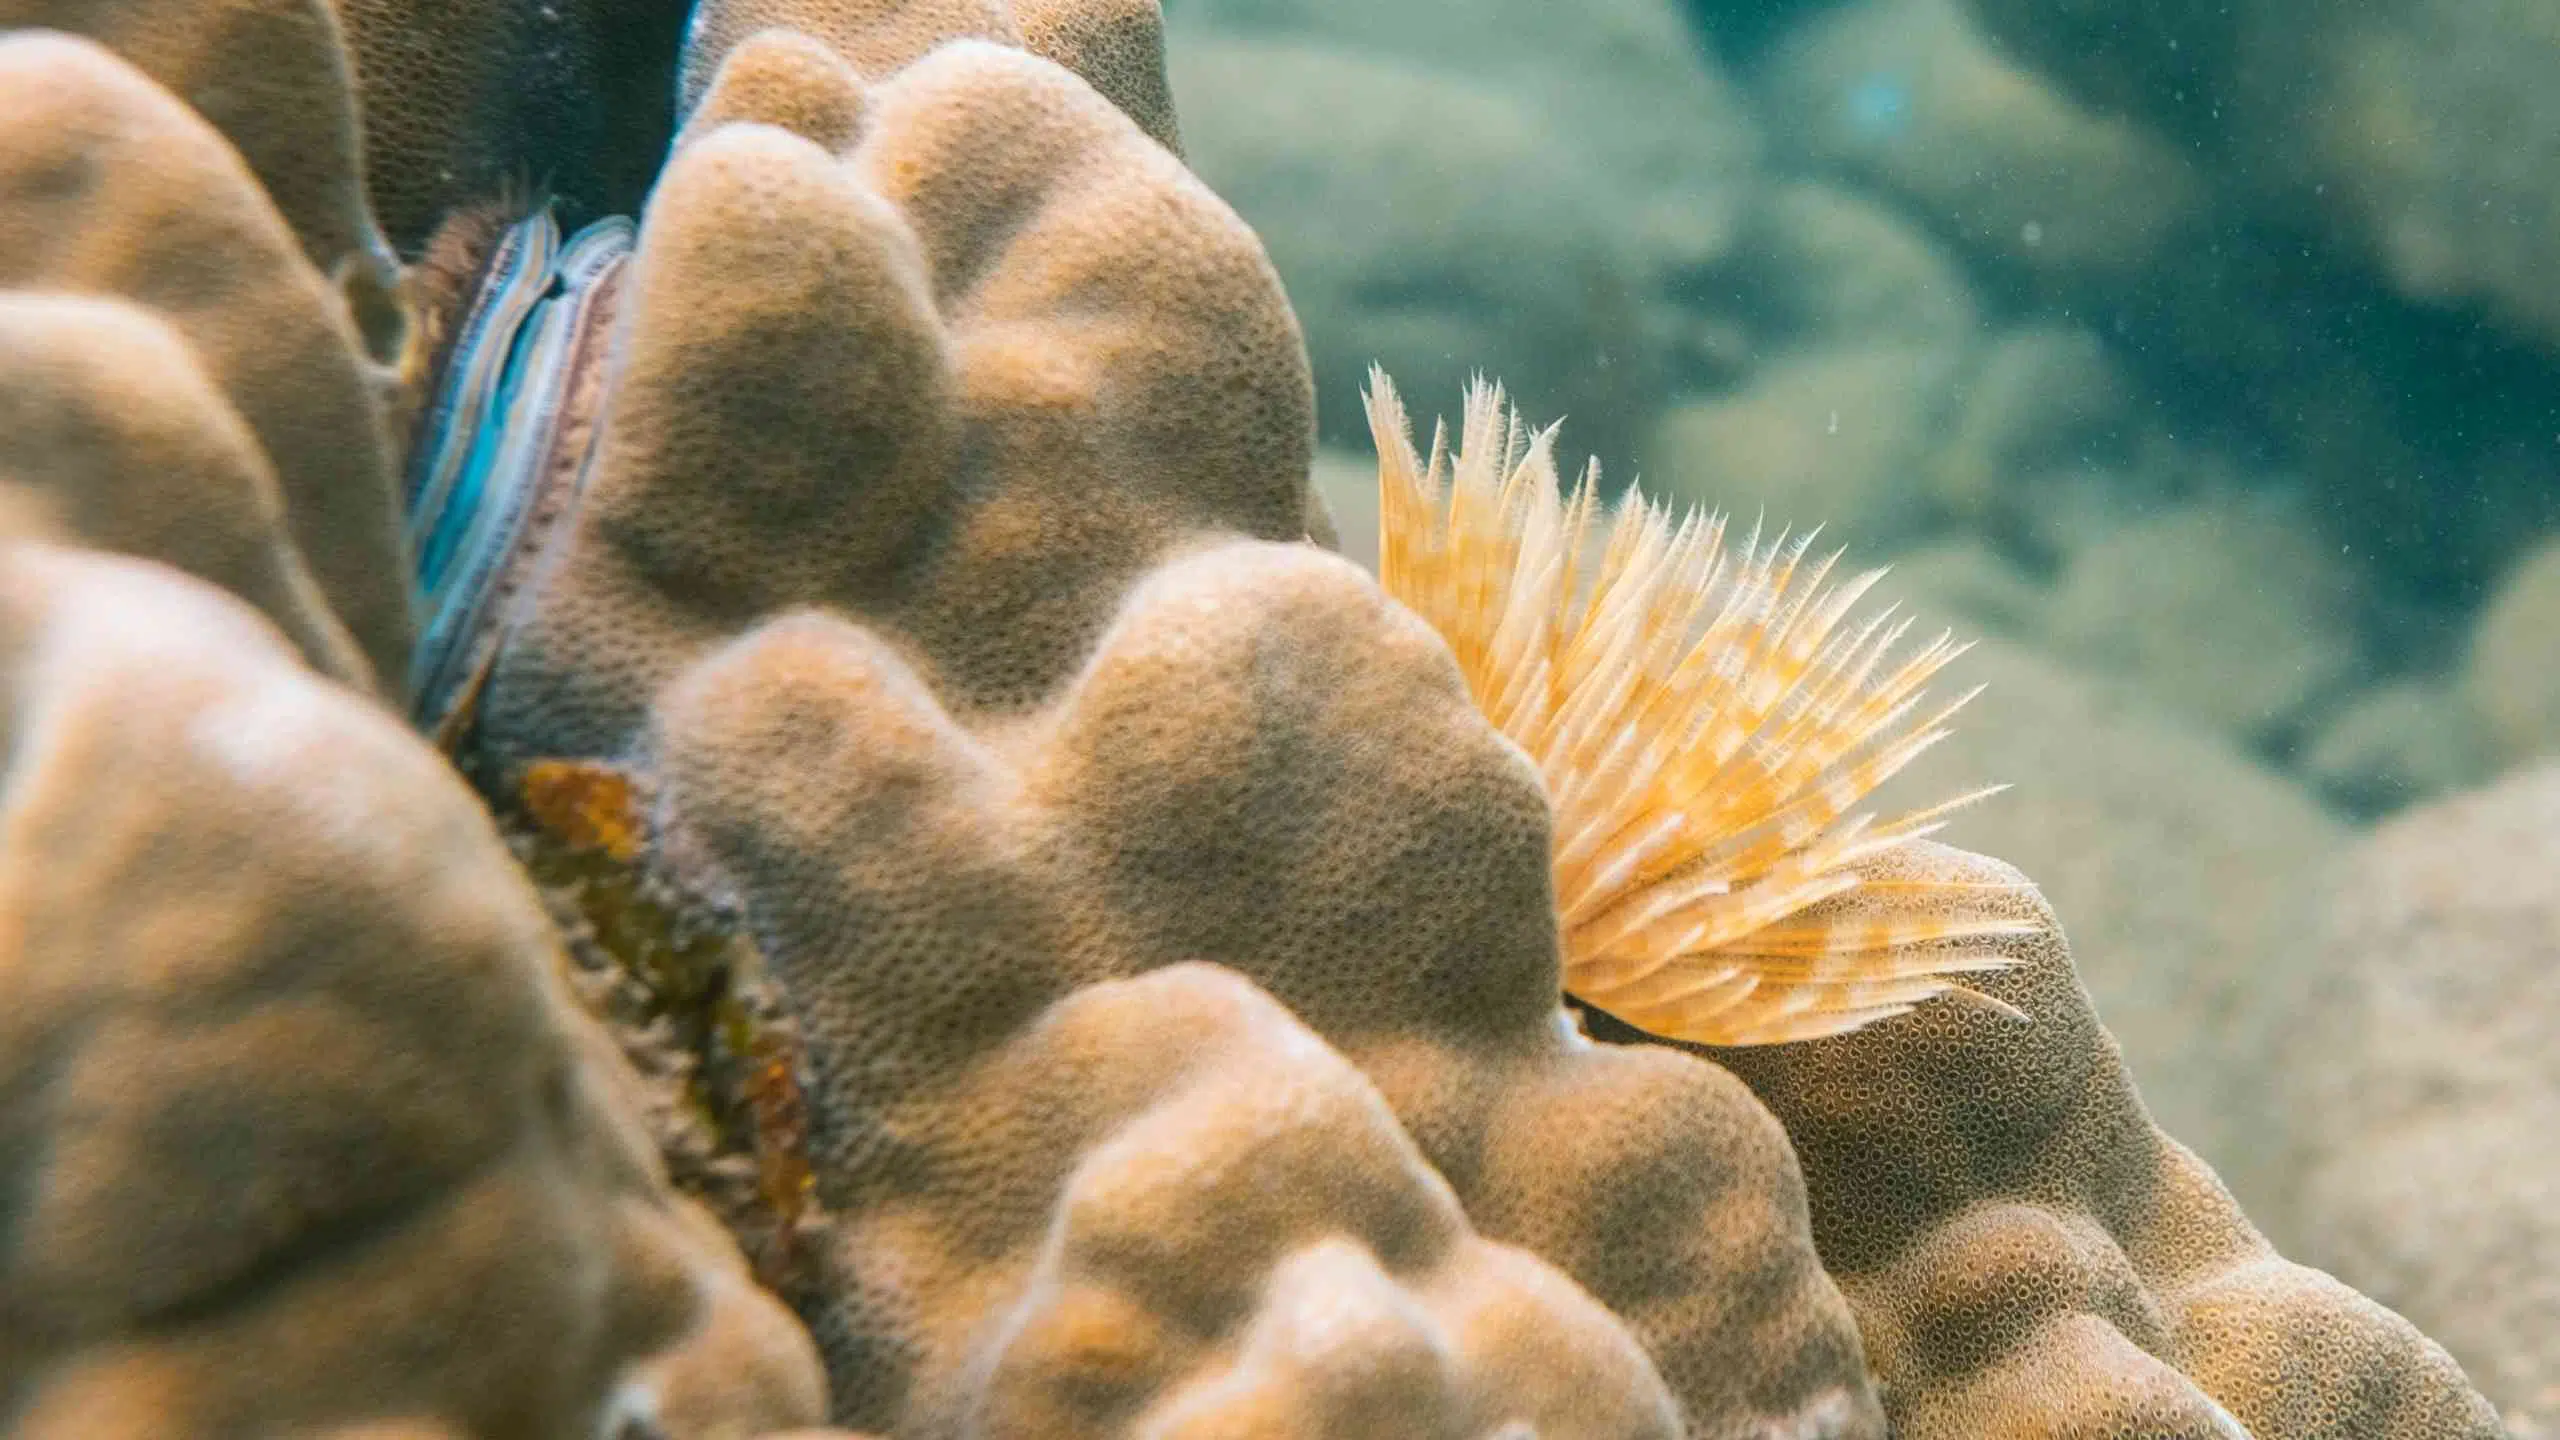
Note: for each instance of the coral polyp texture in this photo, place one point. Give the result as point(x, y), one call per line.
point(270, 76)
point(172, 222)
point(1087, 706)
point(1242, 1240)
point(2447, 989)
point(2028, 1254)
point(1706, 722)
point(950, 883)
point(972, 869)
point(466, 98)
point(300, 1128)
point(305, 1133)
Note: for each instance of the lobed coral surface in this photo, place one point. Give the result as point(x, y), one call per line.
point(1136, 957)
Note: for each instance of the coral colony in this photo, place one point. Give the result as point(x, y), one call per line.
point(883, 881)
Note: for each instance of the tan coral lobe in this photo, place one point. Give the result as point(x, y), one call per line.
point(2029, 1255)
point(300, 1130)
point(965, 467)
point(172, 220)
point(926, 620)
point(306, 1130)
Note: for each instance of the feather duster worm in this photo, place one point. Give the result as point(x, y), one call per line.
point(1707, 717)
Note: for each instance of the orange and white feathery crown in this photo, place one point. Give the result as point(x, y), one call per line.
point(1707, 719)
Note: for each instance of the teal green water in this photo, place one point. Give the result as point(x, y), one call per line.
point(2208, 350)
point(2201, 358)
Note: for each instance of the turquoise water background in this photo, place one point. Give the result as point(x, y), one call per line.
point(2202, 359)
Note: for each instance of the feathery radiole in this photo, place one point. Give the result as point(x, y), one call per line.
point(1707, 719)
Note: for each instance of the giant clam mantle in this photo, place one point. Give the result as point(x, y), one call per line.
point(505, 444)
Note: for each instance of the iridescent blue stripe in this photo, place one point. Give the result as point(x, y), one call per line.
point(520, 267)
point(492, 431)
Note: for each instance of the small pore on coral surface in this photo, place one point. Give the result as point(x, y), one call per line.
point(1707, 717)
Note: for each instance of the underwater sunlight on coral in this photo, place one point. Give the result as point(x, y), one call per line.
point(714, 724)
